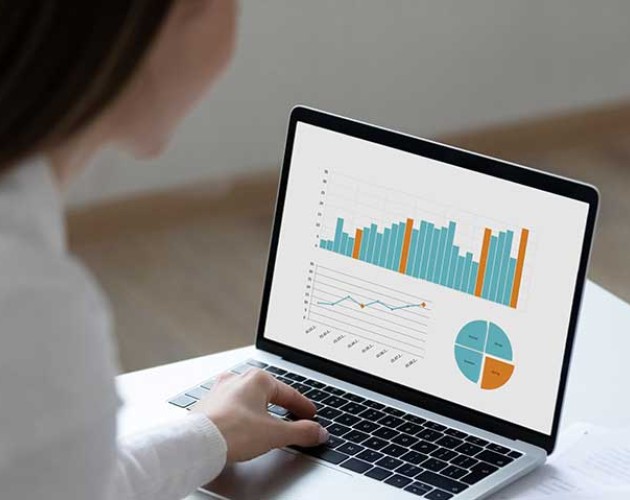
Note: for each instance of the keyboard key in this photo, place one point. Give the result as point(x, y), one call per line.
point(398, 481)
point(444, 454)
point(183, 401)
point(449, 442)
point(350, 448)
point(424, 447)
point(371, 414)
point(242, 368)
point(414, 419)
point(405, 440)
point(378, 473)
point(318, 405)
point(418, 489)
point(198, 393)
point(429, 435)
point(370, 456)
point(444, 483)
point(477, 441)
point(356, 436)
point(316, 395)
point(433, 464)
point(386, 433)
point(323, 453)
point(346, 419)
point(515, 454)
point(409, 428)
point(256, 363)
point(408, 470)
point(389, 421)
point(285, 380)
point(478, 472)
point(390, 463)
point(393, 450)
point(324, 422)
point(328, 412)
point(454, 472)
point(494, 458)
point(438, 495)
point(353, 408)
point(464, 461)
point(498, 448)
point(209, 384)
point(278, 410)
point(333, 442)
point(356, 465)
point(275, 370)
point(468, 449)
point(354, 398)
point(435, 426)
point(301, 388)
point(334, 401)
point(335, 391)
point(456, 433)
point(337, 429)
point(394, 411)
point(366, 426)
point(314, 383)
point(414, 457)
point(374, 443)
point(374, 404)
point(295, 376)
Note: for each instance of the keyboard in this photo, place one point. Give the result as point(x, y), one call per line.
point(423, 457)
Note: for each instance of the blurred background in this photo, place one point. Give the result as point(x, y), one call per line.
point(180, 243)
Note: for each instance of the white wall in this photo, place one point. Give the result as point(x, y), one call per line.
point(417, 65)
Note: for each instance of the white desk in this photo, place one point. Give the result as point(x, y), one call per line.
point(596, 392)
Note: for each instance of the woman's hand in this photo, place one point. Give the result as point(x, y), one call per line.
point(237, 405)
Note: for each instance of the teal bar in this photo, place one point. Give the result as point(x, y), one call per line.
point(496, 269)
point(413, 247)
point(465, 279)
point(385, 247)
point(446, 256)
point(435, 241)
point(459, 272)
point(487, 280)
point(344, 243)
point(371, 244)
point(329, 245)
point(509, 282)
point(349, 247)
point(322, 243)
point(338, 233)
point(451, 277)
point(439, 257)
point(426, 251)
point(418, 257)
point(364, 244)
point(399, 243)
point(393, 238)
point(378, 248)
point(472, 280)
point(505, 265)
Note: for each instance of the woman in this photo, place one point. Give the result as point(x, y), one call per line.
point(76, 77)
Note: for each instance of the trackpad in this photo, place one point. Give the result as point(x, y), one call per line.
point(278, 474)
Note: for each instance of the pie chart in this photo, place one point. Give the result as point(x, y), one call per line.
point(483, 353)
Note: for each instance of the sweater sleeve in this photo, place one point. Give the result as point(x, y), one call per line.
point(170, 461)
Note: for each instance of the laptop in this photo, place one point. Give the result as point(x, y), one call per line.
point(425, 298)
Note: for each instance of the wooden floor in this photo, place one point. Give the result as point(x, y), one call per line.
point(184, 269)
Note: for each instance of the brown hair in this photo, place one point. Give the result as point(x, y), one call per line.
point(63, 61)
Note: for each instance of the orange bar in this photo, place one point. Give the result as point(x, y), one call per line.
point(518, 273)
point(402, 268)
point(358, 236)
point(483, 261)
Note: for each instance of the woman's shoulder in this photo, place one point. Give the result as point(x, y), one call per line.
point(57, 357)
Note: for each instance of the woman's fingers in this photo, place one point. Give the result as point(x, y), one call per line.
point(287, 397)
point(301, 433)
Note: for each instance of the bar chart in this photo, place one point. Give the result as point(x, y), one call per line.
point(426, 251)
point(369, 312)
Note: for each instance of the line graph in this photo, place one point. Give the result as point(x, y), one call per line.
point(369, 311)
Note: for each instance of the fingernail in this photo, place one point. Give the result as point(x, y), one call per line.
point(323, 435)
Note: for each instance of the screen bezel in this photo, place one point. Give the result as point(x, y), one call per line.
point(463, 159)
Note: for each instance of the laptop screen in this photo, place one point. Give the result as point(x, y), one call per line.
point(445, 280)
